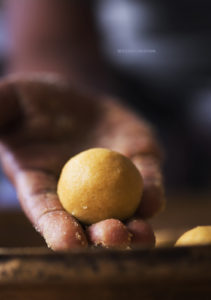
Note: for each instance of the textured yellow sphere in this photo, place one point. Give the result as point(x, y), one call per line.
point(98, 184)
point(200, 235)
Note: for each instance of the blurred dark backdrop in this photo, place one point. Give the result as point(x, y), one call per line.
point(160, 54)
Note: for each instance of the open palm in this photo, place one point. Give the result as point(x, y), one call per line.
point(43, 122)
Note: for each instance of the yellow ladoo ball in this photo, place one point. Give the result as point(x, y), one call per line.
point(98, 184)
point(200, 235)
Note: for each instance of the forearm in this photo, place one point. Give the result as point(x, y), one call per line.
point(55, 35)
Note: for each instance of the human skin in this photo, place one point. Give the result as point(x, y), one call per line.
point(57, 36)
point(43, 122)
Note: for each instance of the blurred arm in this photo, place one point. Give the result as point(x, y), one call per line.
point(58, 36)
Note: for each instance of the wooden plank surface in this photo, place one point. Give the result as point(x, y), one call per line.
point(138, 274)
point(28, 270)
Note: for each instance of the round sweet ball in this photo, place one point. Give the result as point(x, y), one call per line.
point(99, 184)
point(200, 235)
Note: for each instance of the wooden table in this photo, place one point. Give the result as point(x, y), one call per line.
point(28, 270)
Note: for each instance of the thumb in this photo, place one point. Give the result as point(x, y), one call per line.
point(37, 194)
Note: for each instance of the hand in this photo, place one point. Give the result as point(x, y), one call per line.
point(43, 122)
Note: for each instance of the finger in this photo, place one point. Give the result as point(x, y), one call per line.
point(142, 234)
point(37, 193)
point(134, 137)
point(110, 233)
point(10, 109)
point(153, 200)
